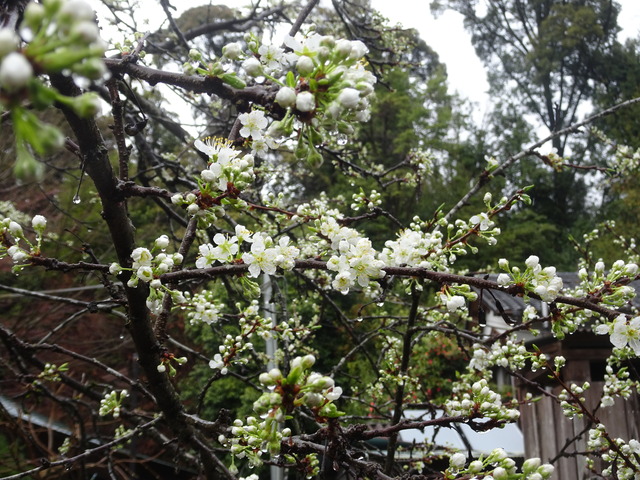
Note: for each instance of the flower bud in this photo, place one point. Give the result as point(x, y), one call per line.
point(308, 361)
point(39, 223)
point(343, 48)
point(232, 51)
point(305, 102)
point(76, 11)
point(252, 66)
point(87, 105)
point(305, 65)
point(349, 98)
point(8, 41)
point(91, 68)
point(530, 465)
point(457, 460)
point(286, 97)
point(15, 229)
point(15, 72)
point(33, 15)
point(87, 31)
point(476, 466)
point(532, 261)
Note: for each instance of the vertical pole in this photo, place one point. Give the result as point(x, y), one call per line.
point(268, 311)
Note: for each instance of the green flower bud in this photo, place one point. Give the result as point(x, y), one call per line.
point(51, 6)
point(314, 159)
point(87, 105)
point(91, 68)
point(308, 361)
point(8, 41)
point(302, 151)
point(26, 166)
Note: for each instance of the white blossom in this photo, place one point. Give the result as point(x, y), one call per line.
point(253, 124)
point(626, 333)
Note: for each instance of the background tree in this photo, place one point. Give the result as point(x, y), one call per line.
point(545, 60)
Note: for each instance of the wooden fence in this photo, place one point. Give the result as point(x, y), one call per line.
point(553, 437)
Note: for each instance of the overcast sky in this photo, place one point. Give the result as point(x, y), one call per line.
point(446, 35)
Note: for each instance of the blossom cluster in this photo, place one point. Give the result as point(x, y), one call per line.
point(364, 201)
point(14, 243)
point(146, 266)
point(166, 363)
point(415, 248)
point(454, 297)
point(607, 285)
point(510, 354)
point(616, 384)
point(51, 372)
point(497, 466)
point(323, 87)
point(542, 281)
point(228, 169)
point(625, 160)
point(479, 398)
point(300, 387)
point(621, 456)
point(356, 260)
point(571, 400)
point(201, 307)
point(231, 350)
point(111, 403)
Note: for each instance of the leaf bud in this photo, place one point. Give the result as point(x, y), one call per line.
point(87, 105)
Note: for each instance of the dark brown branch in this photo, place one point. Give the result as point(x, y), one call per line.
point(261, 95)
point(588, 303)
